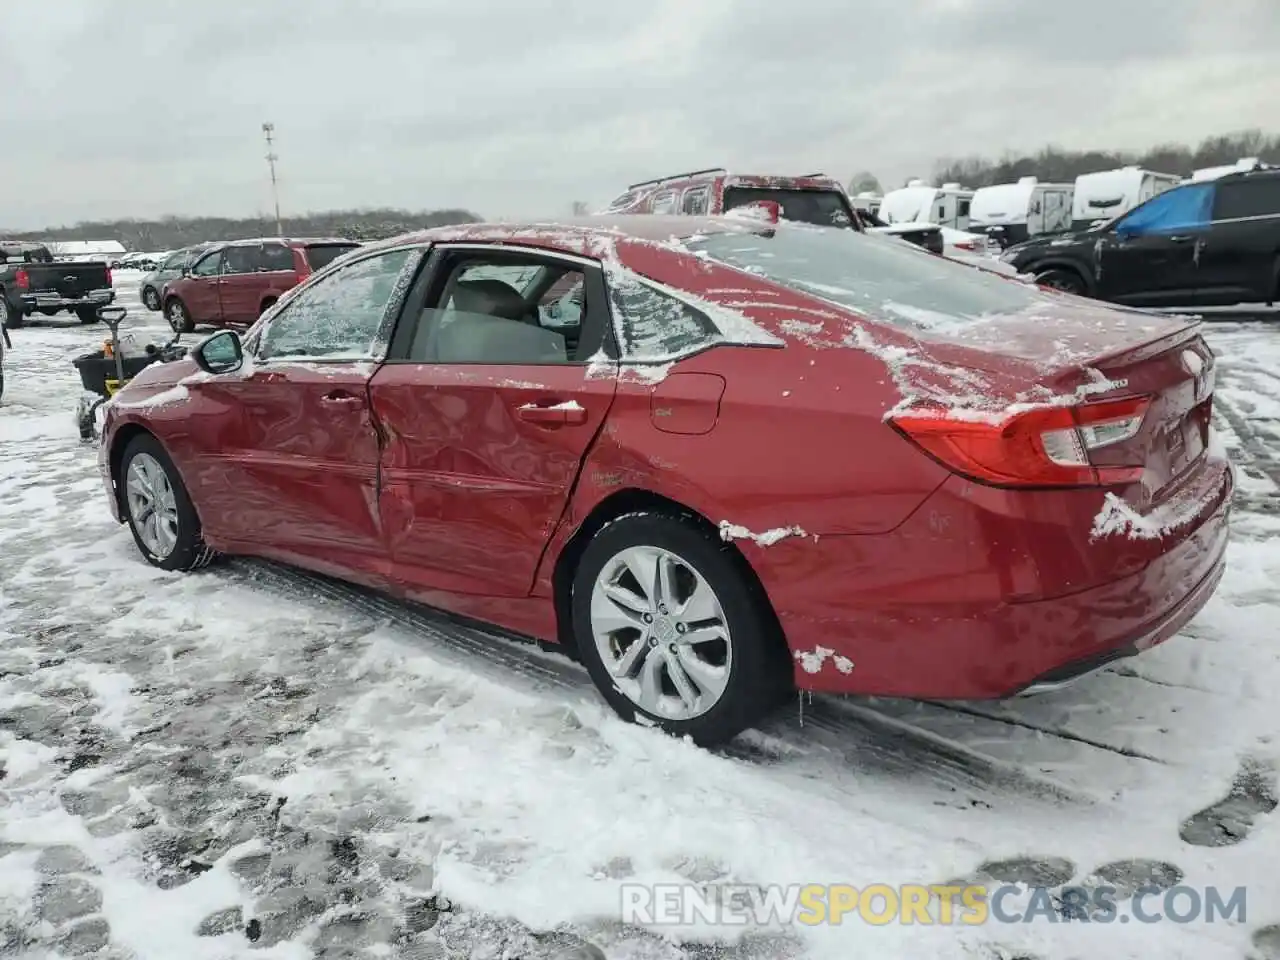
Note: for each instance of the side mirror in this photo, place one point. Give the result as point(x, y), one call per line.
point(221, 353)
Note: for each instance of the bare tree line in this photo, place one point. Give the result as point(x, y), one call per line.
point(1054, 164)
point(171, 233)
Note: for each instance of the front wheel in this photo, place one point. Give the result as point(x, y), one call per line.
point(1067, 281)
point(673, 630)
point(162, 518)
point(175, 311)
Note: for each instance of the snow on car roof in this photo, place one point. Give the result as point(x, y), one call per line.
point(573, 234)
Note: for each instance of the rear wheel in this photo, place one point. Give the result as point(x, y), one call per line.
point(267, 304)
point(1068, 281)
point(175, 311)
point(151, 299)
point(162, 518)
point(13, 317)
point(88, 315)
point(674, 632)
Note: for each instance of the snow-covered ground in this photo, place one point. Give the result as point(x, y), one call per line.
point(255, 762)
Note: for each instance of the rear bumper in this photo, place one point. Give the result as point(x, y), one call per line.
point(989, 605)
point(94, 298)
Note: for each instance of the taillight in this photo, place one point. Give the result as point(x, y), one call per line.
point(22, 279)
point(965, 245)
point(109, 283)
point(1043, 446)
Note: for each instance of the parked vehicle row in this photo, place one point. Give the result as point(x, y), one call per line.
point(232, 283)
point(562, 431)
point(1209, 242)
point(32, 281)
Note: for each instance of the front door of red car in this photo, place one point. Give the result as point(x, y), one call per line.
point(201, 290)
point(489, 406)
point(291, 461)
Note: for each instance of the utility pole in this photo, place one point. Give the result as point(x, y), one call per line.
point(268, 130)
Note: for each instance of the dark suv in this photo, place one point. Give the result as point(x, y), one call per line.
point(1201, 244)
point(230, 284)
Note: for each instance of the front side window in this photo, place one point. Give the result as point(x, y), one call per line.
point(664, 203)
point(654, 325)
point(1179, 209)
point(894, 283)
point(504, 309)
point(343, 315)
point(210, 266)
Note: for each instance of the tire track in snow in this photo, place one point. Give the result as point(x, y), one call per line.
point(832, 732)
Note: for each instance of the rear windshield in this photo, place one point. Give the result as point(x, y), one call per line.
point(822, 208)
point(879, 277)
point(321, 255)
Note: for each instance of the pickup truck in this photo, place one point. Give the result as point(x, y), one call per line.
point(814, 198)
point(31, 282)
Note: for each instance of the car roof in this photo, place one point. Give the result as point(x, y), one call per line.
point(571, 233)
point(289, 241)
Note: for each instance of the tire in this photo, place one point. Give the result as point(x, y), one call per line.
point(1, 374)
point(179, 317)
point(14, 319)
point(174, 542)
point(751, 667)
point(1066, 281)
point(267, 304)
point(150, 298)
point(88, 315)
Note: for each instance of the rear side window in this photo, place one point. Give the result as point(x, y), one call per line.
point(696, 201)
point(1247, 198)
point(320, 256)
point(655, 325)
point(274, 258)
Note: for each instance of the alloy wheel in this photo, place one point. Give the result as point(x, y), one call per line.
point(153, 508)
point(661, 632)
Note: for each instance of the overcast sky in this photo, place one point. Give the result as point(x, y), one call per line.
point(518, 107)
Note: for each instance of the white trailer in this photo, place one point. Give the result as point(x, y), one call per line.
point(1107, 194)
point(1009, 213)
point(917, 202)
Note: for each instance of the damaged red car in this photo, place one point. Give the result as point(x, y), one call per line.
point(716, 460)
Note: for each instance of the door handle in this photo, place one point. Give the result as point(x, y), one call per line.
point(1182, 238)
point(558, 414)
point(342, 397)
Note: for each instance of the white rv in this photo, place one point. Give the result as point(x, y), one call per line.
point(1009, 213)
point(866, 202)
point(917, 202)
point(1105, 195)
point(1242, 165)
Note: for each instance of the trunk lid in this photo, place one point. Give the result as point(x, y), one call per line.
point(68, 280)
point(1104, 354)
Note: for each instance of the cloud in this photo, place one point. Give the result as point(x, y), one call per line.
point(519, 107)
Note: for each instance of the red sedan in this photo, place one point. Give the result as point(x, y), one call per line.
point(717, 460)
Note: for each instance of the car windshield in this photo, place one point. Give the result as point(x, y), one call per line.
point(882, 278)
point(822, 208)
